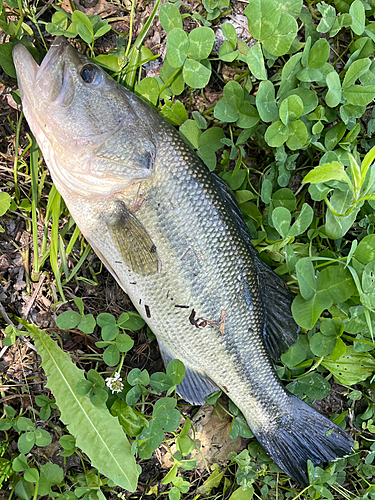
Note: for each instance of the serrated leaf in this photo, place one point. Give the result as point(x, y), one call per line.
point(93, 426)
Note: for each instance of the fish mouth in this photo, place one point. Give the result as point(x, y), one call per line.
point(58, 47)
point(30, 74)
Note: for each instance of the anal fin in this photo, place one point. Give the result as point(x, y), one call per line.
point(196, 387)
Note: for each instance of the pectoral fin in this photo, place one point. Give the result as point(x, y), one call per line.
point(133, 242)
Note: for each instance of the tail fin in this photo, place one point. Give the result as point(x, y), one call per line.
point(304, 434)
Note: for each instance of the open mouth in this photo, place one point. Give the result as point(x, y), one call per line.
point(28, 71)
point(56, 50)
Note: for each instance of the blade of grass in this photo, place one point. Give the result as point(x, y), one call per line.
point(78, 266)
point(16, 188)
point(56, 212)
point(134, 52)
point(34, 170)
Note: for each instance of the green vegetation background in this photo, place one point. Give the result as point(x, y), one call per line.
point(290, 130)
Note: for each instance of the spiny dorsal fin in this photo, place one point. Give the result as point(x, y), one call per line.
point(133, 242)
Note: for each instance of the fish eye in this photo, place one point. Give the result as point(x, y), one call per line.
point(91, 74)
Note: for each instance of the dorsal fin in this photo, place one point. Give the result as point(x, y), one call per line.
point(280, 329)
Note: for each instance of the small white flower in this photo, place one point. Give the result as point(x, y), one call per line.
point(115, 383)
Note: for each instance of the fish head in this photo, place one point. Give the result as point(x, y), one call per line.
point(95, 135)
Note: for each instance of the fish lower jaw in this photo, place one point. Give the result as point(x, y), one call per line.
point(84, 185)
point(73, 184)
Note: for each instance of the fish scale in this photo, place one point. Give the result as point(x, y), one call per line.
point(174, 238)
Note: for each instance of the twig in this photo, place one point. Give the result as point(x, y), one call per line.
point(34, 295)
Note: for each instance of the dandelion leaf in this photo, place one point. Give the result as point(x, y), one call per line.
point(97, 432)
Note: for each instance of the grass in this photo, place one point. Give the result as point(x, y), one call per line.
point(286, 118)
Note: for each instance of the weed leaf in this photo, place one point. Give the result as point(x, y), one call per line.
point(94, 427)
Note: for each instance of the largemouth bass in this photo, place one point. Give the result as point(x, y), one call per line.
point(173, 237)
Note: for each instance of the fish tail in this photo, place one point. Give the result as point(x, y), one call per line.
point(300, 435)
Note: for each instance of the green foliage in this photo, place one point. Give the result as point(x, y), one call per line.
point(290, 129)
point(46, 404)
point(88, 27)
point(350, 194)
point(93, 425)
point(5, 201)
